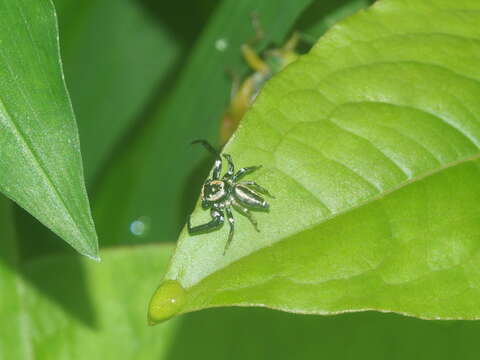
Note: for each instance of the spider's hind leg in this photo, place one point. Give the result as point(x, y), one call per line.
point(244, 211)
point(257, 188)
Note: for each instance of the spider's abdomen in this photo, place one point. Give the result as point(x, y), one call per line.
point(246, 196)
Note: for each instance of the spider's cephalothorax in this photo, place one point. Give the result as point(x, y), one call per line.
point(220, 194)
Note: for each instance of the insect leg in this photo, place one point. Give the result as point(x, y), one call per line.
point(253, 60)
point(257, 187)
point(215, 223)
point(217, 167)
point(244, 211)
point(291, 43)
point(244, 171)
point(231, 221)
point(231, 167)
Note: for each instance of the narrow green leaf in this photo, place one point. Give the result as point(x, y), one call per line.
point(113, 69)
point(40, 163)
point(155, 180)
point(370, 144)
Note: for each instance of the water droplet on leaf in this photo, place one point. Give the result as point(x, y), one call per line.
point(221, 44)
point(140, 227)
point(167, 301)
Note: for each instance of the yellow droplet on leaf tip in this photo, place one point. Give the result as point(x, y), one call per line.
point(167, 301)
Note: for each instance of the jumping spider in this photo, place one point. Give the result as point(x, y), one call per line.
point(221, 194)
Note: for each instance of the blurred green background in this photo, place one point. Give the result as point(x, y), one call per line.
point(147, 77)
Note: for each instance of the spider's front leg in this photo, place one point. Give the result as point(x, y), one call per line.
point(216, 222)
point(231, 167)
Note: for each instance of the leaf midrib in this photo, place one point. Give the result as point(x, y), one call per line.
point(390, 191)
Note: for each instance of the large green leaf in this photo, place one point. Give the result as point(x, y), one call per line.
point(40, 164)
point(154, 182)
point(370, 144)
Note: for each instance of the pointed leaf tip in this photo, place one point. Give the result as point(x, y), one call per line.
point(41, 164)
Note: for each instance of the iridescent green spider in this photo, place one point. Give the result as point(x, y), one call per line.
point(221, 194)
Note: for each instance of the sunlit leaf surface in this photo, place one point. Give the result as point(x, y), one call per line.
point(370, 144)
